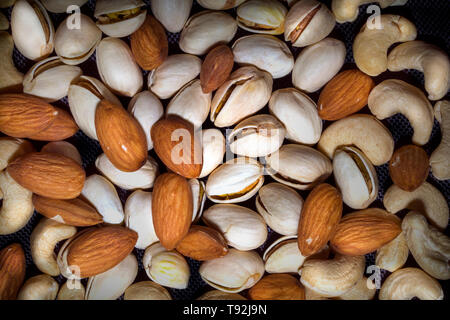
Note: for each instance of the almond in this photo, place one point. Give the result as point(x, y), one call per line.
point(62, 127)
point(149, 44)
point(345, 94)
point(216, 68)
point(177, 146)
point(171, 209)
point(49, 175)
point(202, 244)
point(74, 212)
point(121, 137)
point(23, 115)
point(409, 167)
point(365, 231)
point(99, 249)
point(12, 271)
point(319, 218)
point(277, 287)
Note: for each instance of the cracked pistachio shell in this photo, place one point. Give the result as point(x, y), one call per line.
point(356, 177)
point(191, 104)
point(71, 290)
point(173, 74)
point(266, 52)
point(50, 79)
point(171, 13)
point(299, 115)
point(147, 290)
point(119, 18)
point(300, 167)
point(147, 109)
point(167, 268)
point(234, 272)
point(198, 197)
point(111, 284)
point(262, 16)
point(214, 148)
point(244, 229)
point(317, 64)
point(219, 4)
point(76, 45)
point(246, 92)
point(84, 95)
point(235, 181)
point(283, 256)
point(32, 29)
point(118, 68)
point(257, 136)
point(280, 206)
point(206, 29)
point(61, 6)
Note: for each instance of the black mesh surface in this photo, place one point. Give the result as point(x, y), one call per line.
point(432, 19)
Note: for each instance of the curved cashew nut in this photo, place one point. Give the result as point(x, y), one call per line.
point(429, 247)
point(347, 10)
point(71, 290)
point(43, 240)
point(372, 43)
point(426, 199)
point(395, 96)
point(363, 131)
point(332, 278)
point(405, 284)
point(360, 291)
point(12, 148)
point(440, 158)
point(41, 287)
point(429, 59)
point(393, 255)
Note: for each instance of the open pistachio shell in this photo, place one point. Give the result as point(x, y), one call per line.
point(262, 16)
point(147, 290)
point(283, 256)
point(214, 148)
point(172, 13)
point(219, 4)
point(199, 198)
point(61, 6)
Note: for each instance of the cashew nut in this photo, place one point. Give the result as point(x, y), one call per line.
point(41, 287)
point(360, 291)
point(347, 10)
point(427, 58)
point(65, 148)
point(395, 96)
point(43, 240)
point(426, 199)
point(71, 290)
point(373, 41)
point(393, 255)
point(363, 131)
point(440, 158)
point(332, 278)
point(405, 284)
point(10, 78)
point(12, 148)
point(429, 247)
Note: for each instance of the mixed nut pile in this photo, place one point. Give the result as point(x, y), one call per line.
point(84, 218)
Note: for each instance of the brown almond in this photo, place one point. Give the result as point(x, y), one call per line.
point(12, 271)
point(216, 68)
point(409, 167)
point(62, 127)
point(277, 287)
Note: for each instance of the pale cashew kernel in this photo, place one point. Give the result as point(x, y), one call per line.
point(426, 199)
point(440, 158)
point(43, 240)
point(429, 247)
point(12, 148)
point(347, 10)
point(405, 284)
point(71, 290)
point(360, 291)
point(393, 256)
point(395, 96)
point(41, 287)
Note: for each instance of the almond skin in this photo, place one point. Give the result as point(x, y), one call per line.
point(74, 212)
point(202, 244)
point(277, 287)
point(62, 128)
point(319, 218)
point(12, 271)
point(216, 68)
point(166, 148)
point(149, 44)
point(49, 175)
point(121, 137)
point(22, 115)
point(345, 94)
point(365, 231)
point(171, 209)
point(100, 249)
point(409, 167)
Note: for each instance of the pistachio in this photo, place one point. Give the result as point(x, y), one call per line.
point(119, 18)
point(198, 198)
point(265, 52)
point(206, 29)
point(234, 181)
point(219, 295)
point(172, 13)
point(356, 177)
point(10, 78)
point(308, 22)
point(50, 79)
point(257, 136)
point(246, 92)
point(219, 4)
point(147, 290)
point(262, 16)
point(297, 166)
point(61, 6)
point(76, 45)
point(214, 149)
point(283, 256)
